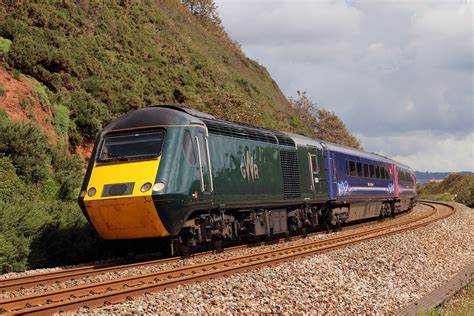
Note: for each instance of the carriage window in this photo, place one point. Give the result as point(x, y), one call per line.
point(372, 171)
point(366, 170)
point(359, 169)
point(188, 149)
point(387, 175)
point(377, 172)
point(352, 169)
point(383, 172)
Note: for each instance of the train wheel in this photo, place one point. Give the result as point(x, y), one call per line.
point(382, 215)
point(181, 248)
point(303, 232)
point(216, 243)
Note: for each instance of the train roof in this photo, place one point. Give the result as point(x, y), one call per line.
point(355, 152)
point(173, 115)
point(402, 165)
point(150, 117)
point(304, 140)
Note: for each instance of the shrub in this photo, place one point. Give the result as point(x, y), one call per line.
point(42, 94)
point(27, 147)
point(67, 174)
point(61, 119)
point(88, 114)
point(3, 116)
point(3, 91)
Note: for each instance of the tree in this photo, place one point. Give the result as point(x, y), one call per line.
point(205, 10)
point(326, 125)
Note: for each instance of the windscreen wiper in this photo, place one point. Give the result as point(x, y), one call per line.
point(121, 158)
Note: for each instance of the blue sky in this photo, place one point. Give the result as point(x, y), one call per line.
point(399, 73)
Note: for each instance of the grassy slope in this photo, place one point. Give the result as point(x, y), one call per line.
point(455, 187)
point(102, 60)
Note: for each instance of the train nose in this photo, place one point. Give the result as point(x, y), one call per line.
point(119, 200)
point(125, 218)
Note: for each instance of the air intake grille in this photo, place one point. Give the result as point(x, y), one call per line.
point(284, 140)
point(290, 173)
point(239, 131)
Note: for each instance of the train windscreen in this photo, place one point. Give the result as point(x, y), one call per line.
point(133, 146)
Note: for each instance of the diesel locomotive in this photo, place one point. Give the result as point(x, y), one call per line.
point(184, 175)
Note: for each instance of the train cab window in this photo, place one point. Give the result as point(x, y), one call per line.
point(366, 170)
point(352, 169)
point(372, 171)
point(377, 172)
point(138, 145)
point(359, 169)
point(188, 149)
point(314, 164)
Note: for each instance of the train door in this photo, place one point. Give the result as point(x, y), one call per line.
point(314, 171)
point(204, 163)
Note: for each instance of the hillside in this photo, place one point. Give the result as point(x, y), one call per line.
point(103, 59)
point(455, 187)
point(67, 68)
point(425, 177)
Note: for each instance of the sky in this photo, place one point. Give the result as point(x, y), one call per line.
point(398, 73)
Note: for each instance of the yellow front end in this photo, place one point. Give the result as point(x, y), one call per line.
point(131, 215)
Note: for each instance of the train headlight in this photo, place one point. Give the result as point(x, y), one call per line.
point(145, 187)
point(158, 187)
point(91, 192)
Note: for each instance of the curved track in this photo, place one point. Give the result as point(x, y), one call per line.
point(116, 291)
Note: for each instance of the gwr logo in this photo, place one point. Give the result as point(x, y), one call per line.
point(248, 169)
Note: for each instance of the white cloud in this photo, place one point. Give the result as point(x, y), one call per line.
point(426, 151)
point(387, 68)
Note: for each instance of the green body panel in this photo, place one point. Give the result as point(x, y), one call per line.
point(245, 174)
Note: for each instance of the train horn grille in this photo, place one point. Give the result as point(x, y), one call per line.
point(118, 189)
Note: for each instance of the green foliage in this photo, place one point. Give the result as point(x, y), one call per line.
point(5, 45)
point(67, 174)
point(61, 119)
point(455, 187)
point(42, 94)
point(3, 91)
point(3, 116)
point(27, 147)
point(41, 223)
point(26, 103)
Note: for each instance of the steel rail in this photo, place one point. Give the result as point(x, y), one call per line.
point(73, 298)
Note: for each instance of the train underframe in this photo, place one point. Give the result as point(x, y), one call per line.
point(245, 224)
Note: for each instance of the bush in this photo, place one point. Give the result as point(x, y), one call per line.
point(88, 114)
point(67, 174)
point(61, 119)
point(3, 91)
point(27, 147)
point(42, 94)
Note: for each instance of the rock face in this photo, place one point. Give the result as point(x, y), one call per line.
point(376, 277)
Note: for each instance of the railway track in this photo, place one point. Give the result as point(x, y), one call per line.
point(71, 274)
point(116, 291)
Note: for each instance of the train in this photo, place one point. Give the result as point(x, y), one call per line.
point(184, 176)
